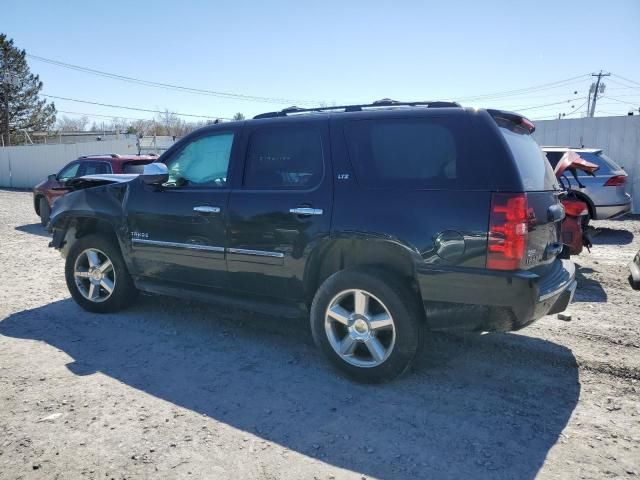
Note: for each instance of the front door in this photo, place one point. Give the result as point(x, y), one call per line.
point(178, 230)
point(281, 206)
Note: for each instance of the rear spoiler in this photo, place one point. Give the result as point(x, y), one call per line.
point(502, 116)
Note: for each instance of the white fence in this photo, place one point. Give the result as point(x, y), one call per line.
point(619, 137)
point(25, 166)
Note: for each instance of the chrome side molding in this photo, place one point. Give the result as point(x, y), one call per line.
point(189, 246)
point(256, 253)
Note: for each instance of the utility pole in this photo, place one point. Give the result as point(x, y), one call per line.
point(596, 90)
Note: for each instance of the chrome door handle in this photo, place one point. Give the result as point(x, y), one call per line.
point(306, 211)
point(206, 209)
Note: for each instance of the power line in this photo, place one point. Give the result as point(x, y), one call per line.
point(537, 107)
point(150, 83)
point(96, 115)
point(237, 96)
point(624, 84)
point(520, 91)
point(621, 101)
point(577, 109)
point(626, 79)
point(131, 108)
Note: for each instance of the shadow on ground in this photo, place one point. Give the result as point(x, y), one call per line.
point(612, 236)
point(589, 289)
point(474, 407)
point(33, 229)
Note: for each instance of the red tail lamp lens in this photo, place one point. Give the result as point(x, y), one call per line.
point(616, 181)
point(508, 229)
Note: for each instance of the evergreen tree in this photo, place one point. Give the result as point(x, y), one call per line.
point(20, 107)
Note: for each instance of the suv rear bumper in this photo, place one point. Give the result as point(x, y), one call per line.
point(472, 299)
point(604, 212)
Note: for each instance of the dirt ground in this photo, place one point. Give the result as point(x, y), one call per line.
point(170, 389)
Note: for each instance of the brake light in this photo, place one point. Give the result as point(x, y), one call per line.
point(616, 181)
point(508, 229)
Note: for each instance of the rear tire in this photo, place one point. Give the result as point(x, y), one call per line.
point(97, 276)
point(44, 211)
point(368, 323)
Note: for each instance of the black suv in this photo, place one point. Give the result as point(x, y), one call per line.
point(383, 222)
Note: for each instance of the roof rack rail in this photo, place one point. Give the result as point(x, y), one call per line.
point(385, 102)
point(112, 155)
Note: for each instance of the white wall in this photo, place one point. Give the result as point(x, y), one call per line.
point(25, 166)
point(619, 137)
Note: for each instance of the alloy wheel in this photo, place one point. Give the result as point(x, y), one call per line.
point(94, 275)
point(360, 328)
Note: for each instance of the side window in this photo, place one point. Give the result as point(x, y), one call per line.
point(405, 153)
point(203, 162)
point(95, 168)
point(68, 172)
point(287, 157)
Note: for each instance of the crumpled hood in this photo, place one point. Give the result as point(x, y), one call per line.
point(94, 180)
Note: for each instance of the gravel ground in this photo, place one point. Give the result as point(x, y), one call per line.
point(170, 389)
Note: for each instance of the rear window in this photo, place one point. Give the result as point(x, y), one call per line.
point(535, 171)
point(607, 166)
point(408, 153)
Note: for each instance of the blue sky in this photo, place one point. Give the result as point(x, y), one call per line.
point(332, 51)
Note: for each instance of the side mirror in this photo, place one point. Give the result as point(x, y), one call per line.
point(52, 176)
point(154, 174)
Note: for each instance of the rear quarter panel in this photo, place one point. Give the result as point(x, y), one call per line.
point(441, 228)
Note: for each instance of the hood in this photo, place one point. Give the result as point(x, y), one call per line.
point(89, 181)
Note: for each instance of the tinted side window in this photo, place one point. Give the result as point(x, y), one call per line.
point(134, 167)
point(203, 162)
point(535, 171)
point(284, 157)
point(408, 153)
point(95, 168)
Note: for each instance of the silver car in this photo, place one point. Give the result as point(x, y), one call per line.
point(605, 193)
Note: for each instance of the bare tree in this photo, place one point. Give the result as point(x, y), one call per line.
point(238, 116)
point(67, 124)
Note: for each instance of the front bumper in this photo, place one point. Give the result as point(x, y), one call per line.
point(473, 299)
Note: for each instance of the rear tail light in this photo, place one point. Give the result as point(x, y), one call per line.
point(616, 181)
point(508, 229)
point(575, 208)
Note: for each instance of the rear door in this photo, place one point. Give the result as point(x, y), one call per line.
point(281, 207)
point(545, 212)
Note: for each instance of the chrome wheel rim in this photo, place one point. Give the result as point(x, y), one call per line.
point(360, 328)
point(94, 275)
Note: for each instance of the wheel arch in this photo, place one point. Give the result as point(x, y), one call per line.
point(36, 202)
point(336, 254)
point(78, 226)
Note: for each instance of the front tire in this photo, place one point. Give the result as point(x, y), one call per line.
point(368, 323)
point(44, 211)
point(97, 276)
